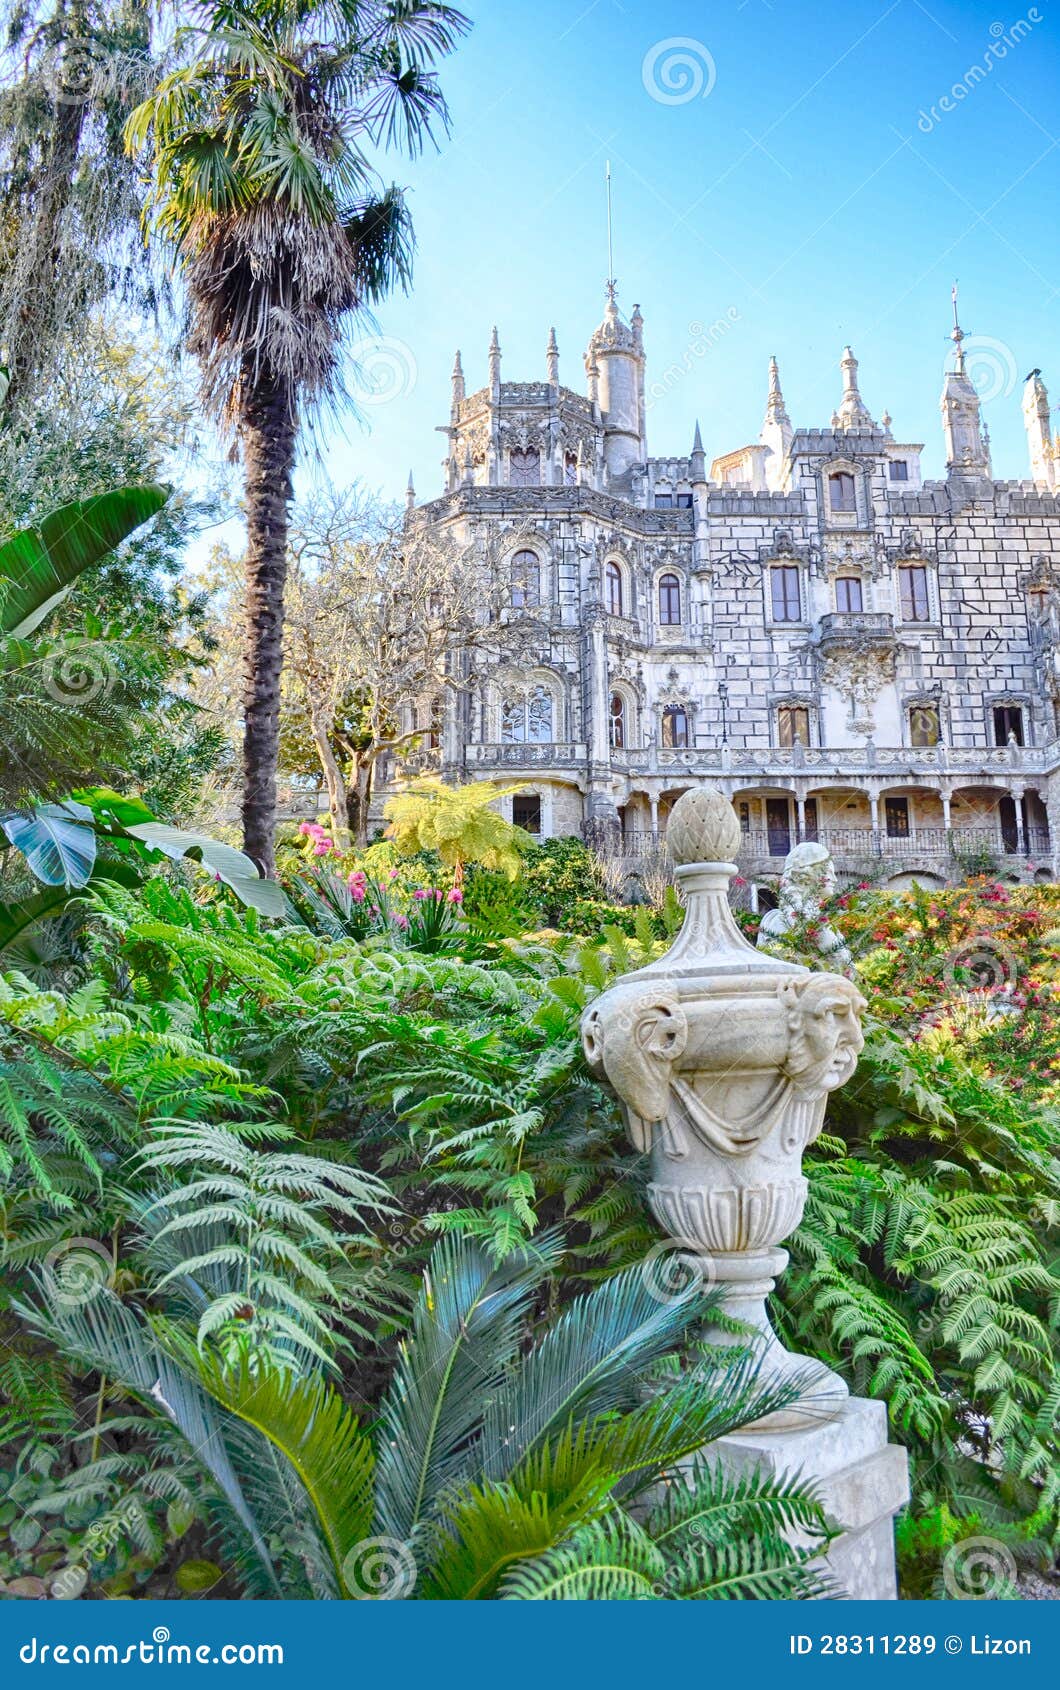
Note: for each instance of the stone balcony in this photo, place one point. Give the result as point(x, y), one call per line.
point(856, 850)
point(842, 629)
point(824, 762)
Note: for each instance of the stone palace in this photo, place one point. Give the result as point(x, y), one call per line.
point(851, 653)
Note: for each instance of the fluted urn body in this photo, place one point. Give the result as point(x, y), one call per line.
point(722, 1058)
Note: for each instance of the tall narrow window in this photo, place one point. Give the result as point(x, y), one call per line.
point(614, 589)
point(526, 811)
point(924, 725)
point(539, 716)
point(669, 601)
point(675, 728)
point(526, 580)
point(617, 721)
point(434, 724)
point(913, 593)
point(841, 492)
point(784, 593)
point(896, 817)
point(848, 594)
point(570, 469)
point(524, 468)
point(793, 725)
point(1008, 720)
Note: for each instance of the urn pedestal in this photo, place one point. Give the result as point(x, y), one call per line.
point(723, 1058)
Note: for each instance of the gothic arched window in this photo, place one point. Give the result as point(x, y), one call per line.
point(526, 580)
point(613, 576)
point(669, 601)
point(675, 727)
point(524, 468)
point(570, 469)
point(617, 721)
point(841, 491)
point(528, 719)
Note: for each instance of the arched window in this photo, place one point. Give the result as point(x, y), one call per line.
point(675, 727)
point(613, 576)
point(669, 601)
point(527, 720)
point(841, 491)
point(524, 468)
point(570, 469)
point(526, 580)
point(617, 721)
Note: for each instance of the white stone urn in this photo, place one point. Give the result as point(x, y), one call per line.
point(722, 1058)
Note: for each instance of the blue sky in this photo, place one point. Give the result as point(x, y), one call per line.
point(808, 199)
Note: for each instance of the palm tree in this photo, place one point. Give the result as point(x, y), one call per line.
point(258, 147)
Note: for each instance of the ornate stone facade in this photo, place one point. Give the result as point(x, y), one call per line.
point(850, 653)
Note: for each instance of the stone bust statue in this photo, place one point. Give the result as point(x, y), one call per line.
point(722, 1058)
point(808, 880)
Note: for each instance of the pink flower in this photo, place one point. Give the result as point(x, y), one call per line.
point(322, 847)
point(400, 920)
point(393, 874)
point(420, 894)
point(438, 894)
point(356, 879)
point(374, 909)
point(456, 896)
point(357, 894)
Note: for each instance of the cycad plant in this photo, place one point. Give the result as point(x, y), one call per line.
point(260, 148)
point(496, 1468)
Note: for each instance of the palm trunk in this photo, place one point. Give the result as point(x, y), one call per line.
point(269, 433)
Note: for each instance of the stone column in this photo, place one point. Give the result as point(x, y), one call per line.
point(722, 1057)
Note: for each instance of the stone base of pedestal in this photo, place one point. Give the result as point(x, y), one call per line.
point(862, 1481)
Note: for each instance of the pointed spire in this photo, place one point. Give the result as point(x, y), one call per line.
point(410, 494)
point(957, 336)
point(552, 359)
point(776, 410)
point(495, 362)
point(458, 381)
point(966, 451)
point(698, 464)
point(852, 412)
point(592, 370)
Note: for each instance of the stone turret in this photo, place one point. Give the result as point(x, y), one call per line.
point(616, 349)
point(1040, 444)
point(966, 451)
point(853, 411)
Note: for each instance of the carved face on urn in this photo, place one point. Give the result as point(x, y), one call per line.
point(825, 1035)
point(646, 1032)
